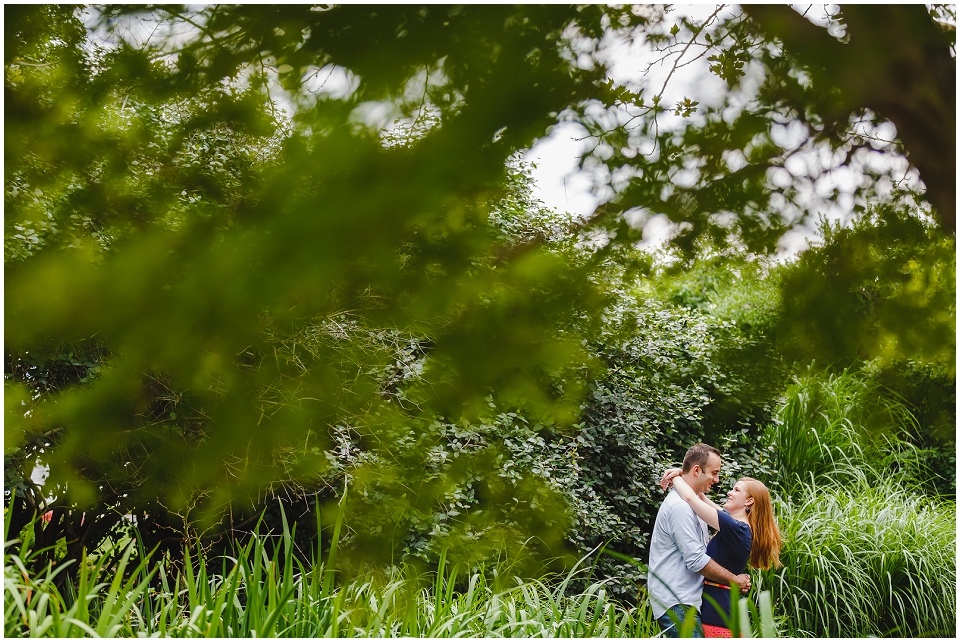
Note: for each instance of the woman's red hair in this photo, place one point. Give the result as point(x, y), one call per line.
point(765, 551)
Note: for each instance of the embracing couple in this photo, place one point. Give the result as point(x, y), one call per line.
point(686, 565)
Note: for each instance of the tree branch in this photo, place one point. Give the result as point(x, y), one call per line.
point(898, 65)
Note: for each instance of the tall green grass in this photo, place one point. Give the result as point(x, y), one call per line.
point(869, 548)
point(841, 426)
point(257, 594)
point(867, 561)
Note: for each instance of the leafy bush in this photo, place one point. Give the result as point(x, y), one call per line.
point(574, 489)
point(668, 369)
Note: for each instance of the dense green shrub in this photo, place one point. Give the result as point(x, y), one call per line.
point(576, 488)
point(665, 368)
point(668, 368)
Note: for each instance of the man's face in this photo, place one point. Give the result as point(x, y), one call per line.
point(710, 475)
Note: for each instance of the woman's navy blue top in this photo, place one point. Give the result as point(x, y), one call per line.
point(730, 548)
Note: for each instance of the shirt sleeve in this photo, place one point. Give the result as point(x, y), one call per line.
point(688, 537)
point(731, 527)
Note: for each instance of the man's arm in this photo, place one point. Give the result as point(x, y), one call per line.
point(716, 573)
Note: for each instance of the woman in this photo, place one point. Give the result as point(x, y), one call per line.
point(746, 532)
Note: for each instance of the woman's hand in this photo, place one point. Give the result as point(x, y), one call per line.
point(743, 581)
point(668, 476)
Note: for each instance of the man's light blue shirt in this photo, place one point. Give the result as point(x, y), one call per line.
point(678, 551)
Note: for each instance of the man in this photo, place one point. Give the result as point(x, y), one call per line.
point(678, 549)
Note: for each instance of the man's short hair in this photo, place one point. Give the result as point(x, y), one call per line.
point(698, 455)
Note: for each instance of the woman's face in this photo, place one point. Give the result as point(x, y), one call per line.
point(737, 498)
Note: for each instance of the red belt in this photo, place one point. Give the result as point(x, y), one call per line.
point(709, 583)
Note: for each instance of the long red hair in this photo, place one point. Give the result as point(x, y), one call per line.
point(765, 550)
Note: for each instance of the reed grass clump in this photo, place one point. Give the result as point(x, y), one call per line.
point(841, 426)
point(870, 549)
point(867, 561)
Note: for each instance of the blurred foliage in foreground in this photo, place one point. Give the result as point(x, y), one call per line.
point(256, 254)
